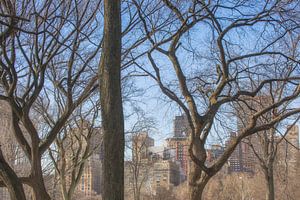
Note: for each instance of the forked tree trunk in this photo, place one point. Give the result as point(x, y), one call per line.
point(111, 103)
point(197, 182)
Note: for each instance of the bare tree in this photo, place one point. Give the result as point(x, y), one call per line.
point(226, 69)
point(79, 139)
point(267, 153)
point(138, 167)
point(40, 55)
point(266, 144)
point(48, 68)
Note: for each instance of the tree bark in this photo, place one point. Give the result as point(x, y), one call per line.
point(269, 177)
point(198, 179)
point(39, 190)
point(38, 186)
point(111, 103)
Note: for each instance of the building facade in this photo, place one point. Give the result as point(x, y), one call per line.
point(151, 168)
point(13, 153)
point(180, 147)
point(181, 127)
point(141, 143)
point(90, 184)
point(289, 149)
point(166, 174)
point(180, 142)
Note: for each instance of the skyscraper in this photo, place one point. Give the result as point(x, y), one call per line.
point(181, 126)
point(235, 161)
point(243, 158)
point(90, 183)
point(179, 142)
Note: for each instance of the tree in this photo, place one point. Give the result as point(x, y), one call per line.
point(55, 46)
point(138, 167)
point(267, 154)
point(269, 141)
point(73, 148)
point(266, 144)
point(41, 54)
point(48, 57)
point(233, 50)
point(111, 103)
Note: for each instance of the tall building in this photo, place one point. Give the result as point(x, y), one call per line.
point(138, 171)
point(80, 140)
point(180, 146)
point(140, 146)
point(243, 158)
point(181, 126)
point(90, 184)
point(91, 180)
point(235, 161)
point(138, 176)
point(151, 168)
point(180, 142)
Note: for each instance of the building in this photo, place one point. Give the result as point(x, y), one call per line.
point(83, 144)
point(214, 153)
point(235, 161)
point(181, 126)
point(289, 148)
point(138, 178)
point(140, 146)
point(152, 168)
point(243, 158)
point(181, 155)
point(139, 170)
point(180, 142)
point(166, 174)
point(90, 184)
point(160, 153)
point(12, 151)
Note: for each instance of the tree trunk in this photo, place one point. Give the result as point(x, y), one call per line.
point(198, 179)
point(39, 189)
point(111, 103)
point(269, 177)
point(38, 185)
point(11, 180)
